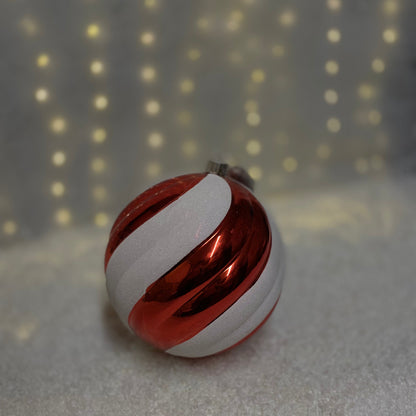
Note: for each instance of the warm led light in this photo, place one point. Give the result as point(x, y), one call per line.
point(186, 86)
point(202, 23)
point(258, 76)
point(153, 169)
point(366, 91)
point(287, 18)
point(361, 165)
point(93, 30)
point(235, 57)
point(194, 54)
point(377, 162)
point(253, 147)
point(151, 4)
point(251, 106)
point(333, 125)
point(152, 107)
point(147, 38)
point(184, 117)
point(101, 219)
point(97, 67)
point(255, 172)
point(374, 117)
point(323, 151)
point(42, 60)
point(278, 51)
point(331, 96)
point(57, 189)
point(333, 35)
point(253, 119)
point(189, 148)
point(98, 165)
point(334, 5)
point(100, 102)
point(29, 26)
point(9, 227)
point(148, 74)
point(99, 135)
point(63, 216)
point(290, 164)
point(155, 140)
point(41, 94)
point(332, 67)
point(390, 36)
point(59, 158)
point(99, 193)
point(390, 7)
point(378, 65)
point(58, 125)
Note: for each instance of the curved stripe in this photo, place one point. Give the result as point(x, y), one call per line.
point(210, 279)
point(165, 239)
point(245, 315)
point(145, 206)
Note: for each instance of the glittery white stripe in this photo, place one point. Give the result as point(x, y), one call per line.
point(164, 240)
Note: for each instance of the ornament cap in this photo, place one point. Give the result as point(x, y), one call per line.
point(236, 172)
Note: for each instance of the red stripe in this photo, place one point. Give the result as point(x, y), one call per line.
point(146, 205)
point(209, 279)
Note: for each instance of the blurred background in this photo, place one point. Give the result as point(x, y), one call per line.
point(100, 99)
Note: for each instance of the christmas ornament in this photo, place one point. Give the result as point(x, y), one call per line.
point(194, 265)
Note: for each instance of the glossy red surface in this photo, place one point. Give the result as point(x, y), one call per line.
point(146, 205)
point(209, 279)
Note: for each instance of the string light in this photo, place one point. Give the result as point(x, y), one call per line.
point(287, 18)
point(63, 216)
point(155, 140)
point(99, 193)
point(251, 106)
point(41, 95)
point(258, 76)
point(256, 172)
point(253, 147)
point(334, 5)
point(333, 35)
point(378, 65)
point(93, 31)
point(59, 158)
point(331, 96)
point(323, 151)
point(97, 67)
point(98, 165)
point(151, 4)
point(101, 219)
point(278, 51)
point(390, 7)
point(253, 119)
point(148, 74)
point(189, 148)
point(9, 227)
point(366, 91)
point(29, 26)
point(43, 60)
point(99, 135)
point(153, 169)
point(187, 86)
point(58, 125)
point(147, 38)
point(290, 164)
point(361, 165)
point(390, 36)
point(57, 189)
point(100, 102)
point(374, 117)
point(331, 67)
point(194, 54)
point(152, 107)
point(333, 125)
point(377, 162)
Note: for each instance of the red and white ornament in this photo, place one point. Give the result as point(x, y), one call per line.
point(194, 265)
